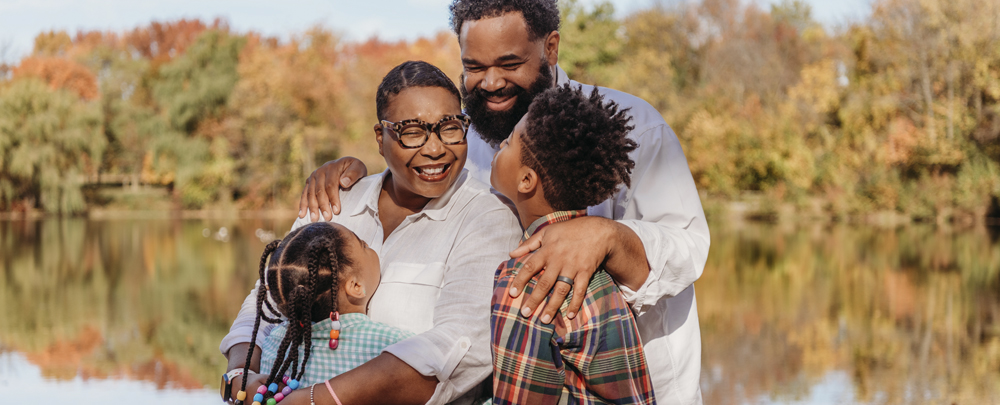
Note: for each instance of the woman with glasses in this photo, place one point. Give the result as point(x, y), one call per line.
point(439, 235)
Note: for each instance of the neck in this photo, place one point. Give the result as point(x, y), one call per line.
point(401, 197)
point(345, 306)
point(530, 209)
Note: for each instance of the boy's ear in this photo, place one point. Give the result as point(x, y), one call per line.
point(527, 180)
point(378, 138)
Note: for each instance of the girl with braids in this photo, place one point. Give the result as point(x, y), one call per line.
point(439, 235)
point(320, 278)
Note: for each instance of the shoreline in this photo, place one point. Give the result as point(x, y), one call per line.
point(727, 211)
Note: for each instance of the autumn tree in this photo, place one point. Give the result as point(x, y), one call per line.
point(49, 141)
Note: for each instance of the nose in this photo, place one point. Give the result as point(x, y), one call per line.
point(433, 148)
point(493, 80)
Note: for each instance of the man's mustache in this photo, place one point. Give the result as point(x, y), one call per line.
point(501, 93)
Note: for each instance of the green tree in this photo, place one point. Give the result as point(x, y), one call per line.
point(49, 140)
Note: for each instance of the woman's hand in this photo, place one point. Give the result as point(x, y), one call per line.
point(322, 191)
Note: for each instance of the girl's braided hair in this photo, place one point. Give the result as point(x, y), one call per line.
point(303, 277)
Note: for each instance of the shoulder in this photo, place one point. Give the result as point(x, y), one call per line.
point(477, 198)
point(350, 199)
point(644, 115)
point(390, 334)
point(511, 267)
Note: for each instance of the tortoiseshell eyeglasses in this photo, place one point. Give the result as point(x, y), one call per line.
point(412, 134)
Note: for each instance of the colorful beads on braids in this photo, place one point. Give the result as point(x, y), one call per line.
point(335, 330)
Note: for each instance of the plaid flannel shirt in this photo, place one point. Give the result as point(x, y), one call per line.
point(594, 358)
point(361, 339)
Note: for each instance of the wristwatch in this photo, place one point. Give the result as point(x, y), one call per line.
point(227, 382)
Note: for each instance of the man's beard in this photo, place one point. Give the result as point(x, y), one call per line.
point(495, 126)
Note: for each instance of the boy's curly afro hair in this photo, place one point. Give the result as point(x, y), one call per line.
point(578, 145)
point(542, 16)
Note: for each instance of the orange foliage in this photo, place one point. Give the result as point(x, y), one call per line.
point(160, 42)
point(59, 73)
point(66, 359)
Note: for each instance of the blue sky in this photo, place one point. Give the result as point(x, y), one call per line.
point(21, 20)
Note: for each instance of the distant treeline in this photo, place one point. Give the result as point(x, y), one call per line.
point(897, 113)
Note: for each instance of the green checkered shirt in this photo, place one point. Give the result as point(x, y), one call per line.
point(361, 339)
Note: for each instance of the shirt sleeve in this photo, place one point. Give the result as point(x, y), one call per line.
point(456, 349)
point(663, 208)
point(242, 329)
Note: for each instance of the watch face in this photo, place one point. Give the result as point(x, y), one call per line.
point(226, 387)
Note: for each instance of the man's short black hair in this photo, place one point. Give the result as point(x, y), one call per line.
point(578, 145)
point(542, 16)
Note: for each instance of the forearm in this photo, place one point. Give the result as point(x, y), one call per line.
point(626, 261)
point(384, 380)
point(238, 356)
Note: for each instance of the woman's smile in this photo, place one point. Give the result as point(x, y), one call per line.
point(433, 172)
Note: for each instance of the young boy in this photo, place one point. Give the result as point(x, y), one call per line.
point(567, 153)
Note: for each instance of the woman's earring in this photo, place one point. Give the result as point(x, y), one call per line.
point(334, 330)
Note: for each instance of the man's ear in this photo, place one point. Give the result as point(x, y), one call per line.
point(552, 48)
point(528, 180)
point(378, 138)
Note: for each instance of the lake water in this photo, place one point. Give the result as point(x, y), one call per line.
point(113, 311)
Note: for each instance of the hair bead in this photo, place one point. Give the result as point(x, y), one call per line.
point(293, 384)
point(258, 397)
point(241, 395)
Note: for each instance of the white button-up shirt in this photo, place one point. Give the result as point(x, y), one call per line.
point(663, 208)
point(437, 279)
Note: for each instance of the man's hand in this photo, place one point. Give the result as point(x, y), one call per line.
point(322, 191)
point(575, 249)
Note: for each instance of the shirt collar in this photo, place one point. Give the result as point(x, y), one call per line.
point(321, 329)
point(436, 209)
point(561, 76)
point(558, 216)
point(370, 196)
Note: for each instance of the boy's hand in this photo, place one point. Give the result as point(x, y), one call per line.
point(322, 191)
point(573, 249)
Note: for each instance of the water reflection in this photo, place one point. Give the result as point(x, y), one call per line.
point(140, 300)
point(909, 315)
point(824, 314)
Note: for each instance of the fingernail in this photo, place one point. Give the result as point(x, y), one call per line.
point(325, 214)
point(513, 292)
point(570, 315)
point(546, 318)
point(525, 311)
point(344, 181)
point(301, 212)
point(336, 210)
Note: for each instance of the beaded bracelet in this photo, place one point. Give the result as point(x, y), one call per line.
point(262, 391)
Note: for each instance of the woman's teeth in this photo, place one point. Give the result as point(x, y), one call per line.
point(432, 170)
